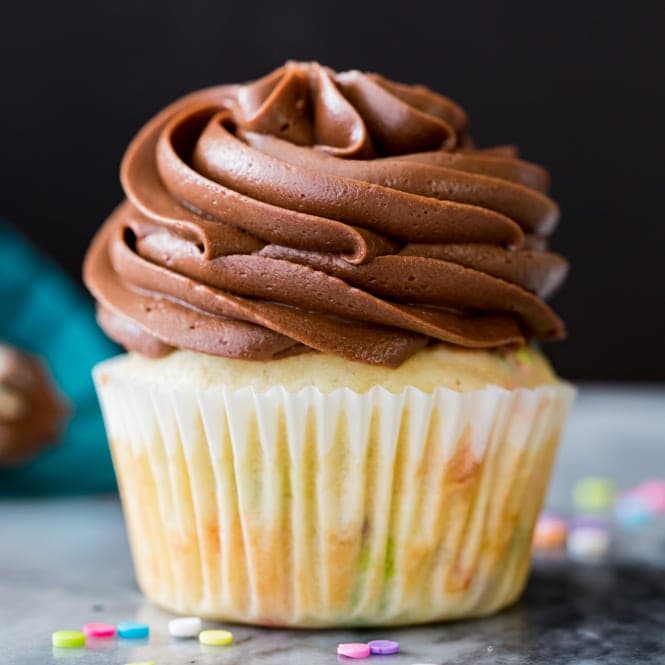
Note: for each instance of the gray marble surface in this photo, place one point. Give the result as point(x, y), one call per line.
point(64, 562)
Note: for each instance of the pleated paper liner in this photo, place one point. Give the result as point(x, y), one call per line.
point(310, 509)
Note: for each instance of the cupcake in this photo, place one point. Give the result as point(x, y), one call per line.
point(333, 410)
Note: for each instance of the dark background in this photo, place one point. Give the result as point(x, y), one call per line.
point(578, 86)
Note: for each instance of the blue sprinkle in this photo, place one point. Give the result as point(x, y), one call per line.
point(632, 511)
point(131, 630)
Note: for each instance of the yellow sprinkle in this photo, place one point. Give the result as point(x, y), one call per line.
point(216, 638)
point(523, 355)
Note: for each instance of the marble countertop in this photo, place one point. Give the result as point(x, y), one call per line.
point(65, 562)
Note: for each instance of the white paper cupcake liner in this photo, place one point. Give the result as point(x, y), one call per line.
point(313, 509)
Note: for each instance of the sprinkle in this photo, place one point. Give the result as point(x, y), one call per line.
point(354, 650)
point(185, 627)
point(632, 510)
point(587, 522)
point(593, 494)
point(131, 630)
point(524, 356)
point(652, 492)
point(68, 639)
point(550, 532)
point(216, 638)
point(383, 646)
point(98, 630)
point(588, 541)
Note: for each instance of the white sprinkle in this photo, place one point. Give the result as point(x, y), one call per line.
point(588, 543)
point(185, 627)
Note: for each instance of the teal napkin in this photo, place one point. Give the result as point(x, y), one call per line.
point(43, 311)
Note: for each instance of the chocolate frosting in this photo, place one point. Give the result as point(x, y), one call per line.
point(32, 413)
point(315, 210)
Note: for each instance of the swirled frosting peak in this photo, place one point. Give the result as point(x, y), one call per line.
point(314, 210)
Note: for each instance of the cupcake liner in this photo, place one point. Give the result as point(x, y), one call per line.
point(326, 509)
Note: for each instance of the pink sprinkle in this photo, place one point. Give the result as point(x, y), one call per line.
point(652, 493)
point(99, 629)
point(353, 650)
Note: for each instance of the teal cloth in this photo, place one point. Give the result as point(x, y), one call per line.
point(43, 311)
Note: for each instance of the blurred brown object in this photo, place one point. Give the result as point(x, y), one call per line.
point(32, 410)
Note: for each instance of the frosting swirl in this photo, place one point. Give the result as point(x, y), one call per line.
point(314, 210)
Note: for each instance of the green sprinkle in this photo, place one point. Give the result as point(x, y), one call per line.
point(389, 563)
point(593, 494)
point(68, 639)
point(524, 356)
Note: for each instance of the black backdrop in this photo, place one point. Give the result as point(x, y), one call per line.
point(578, 86)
